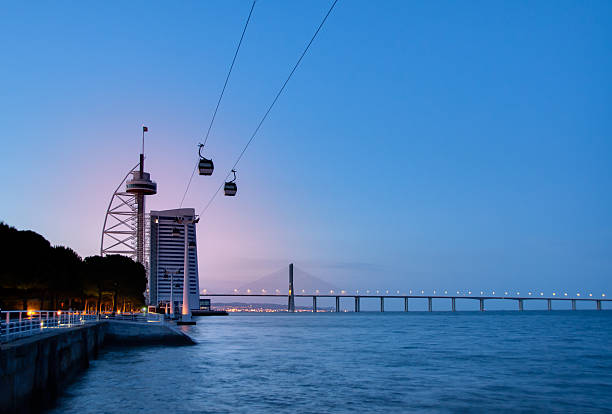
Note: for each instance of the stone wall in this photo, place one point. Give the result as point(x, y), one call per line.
point(34, 370)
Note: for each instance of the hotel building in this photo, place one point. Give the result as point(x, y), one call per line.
point(167, 248)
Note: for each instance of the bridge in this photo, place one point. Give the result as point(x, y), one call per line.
point(520, 300)
point(357, 297)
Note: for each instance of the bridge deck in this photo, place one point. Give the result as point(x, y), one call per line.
point(271, 295)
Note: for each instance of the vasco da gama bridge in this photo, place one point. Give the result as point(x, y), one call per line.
point(453, 298)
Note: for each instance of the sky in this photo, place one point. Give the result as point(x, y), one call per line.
point(419, 145)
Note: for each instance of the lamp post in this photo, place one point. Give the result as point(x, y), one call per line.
point(186, 310)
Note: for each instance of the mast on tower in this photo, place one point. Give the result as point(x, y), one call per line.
point(141, 185)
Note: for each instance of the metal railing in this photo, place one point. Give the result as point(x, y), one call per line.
point(19, 324)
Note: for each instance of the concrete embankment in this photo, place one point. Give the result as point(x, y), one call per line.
point(143, 333)
point(34, 370)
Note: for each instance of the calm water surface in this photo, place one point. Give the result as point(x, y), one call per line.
point(368, 362)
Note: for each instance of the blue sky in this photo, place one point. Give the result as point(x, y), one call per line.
point(419, 145)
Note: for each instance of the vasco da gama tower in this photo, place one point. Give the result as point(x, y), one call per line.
point(156, 240)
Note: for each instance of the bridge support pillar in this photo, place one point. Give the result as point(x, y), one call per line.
point(429, 304)
point(291, 299)
point(549, 304)
point(453, 307)
point(357, 304)
point(598, 305)
point(482, 305)
point(520, 303)
point(382, 304)
point(314, 303)
point(337, 303)
point(573, 304)
point(405, 304)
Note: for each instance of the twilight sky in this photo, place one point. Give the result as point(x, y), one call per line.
point(420, 145)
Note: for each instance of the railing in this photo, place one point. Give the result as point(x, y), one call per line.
point(19, 324)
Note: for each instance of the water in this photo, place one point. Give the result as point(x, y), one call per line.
point(369, 362)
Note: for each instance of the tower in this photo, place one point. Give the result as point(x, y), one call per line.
point(124, 226)
point(291, 305)
point(141, 185)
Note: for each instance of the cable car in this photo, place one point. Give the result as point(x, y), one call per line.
point(205, 165)
point(231, 188)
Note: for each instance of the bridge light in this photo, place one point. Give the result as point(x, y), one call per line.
point(343, 291)
point(410, 291)
point(518, 293)
point(317, 291)
point(422, 292)
point(397, 292)
point(541, 293)
point(236, 290)
point(565, 293)
point(506, 293)
point(434, 291)
point(481, 292)
point(331, 291)
point(263, 291)
point(554, 294)
point(446, 292)
point(277, 290)
point(377, 291)
point(302, 290)
point(590, 294)
point(577, 294)
point(248, 290)
point(367, 291)
point(357, 291)
point(387, 292)
point(470, 292)
point(603, 295)
point(493, 292)
point(59, 312)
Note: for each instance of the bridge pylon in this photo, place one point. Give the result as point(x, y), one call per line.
point(291, 304)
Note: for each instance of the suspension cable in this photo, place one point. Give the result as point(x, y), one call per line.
point(271, 106)
point(229, 72)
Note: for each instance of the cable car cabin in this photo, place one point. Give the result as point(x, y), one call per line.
point(230, 189)
point(206, 166)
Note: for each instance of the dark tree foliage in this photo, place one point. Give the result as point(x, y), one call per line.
point(55, 277)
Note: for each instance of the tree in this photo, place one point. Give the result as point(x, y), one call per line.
point(31, 268)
